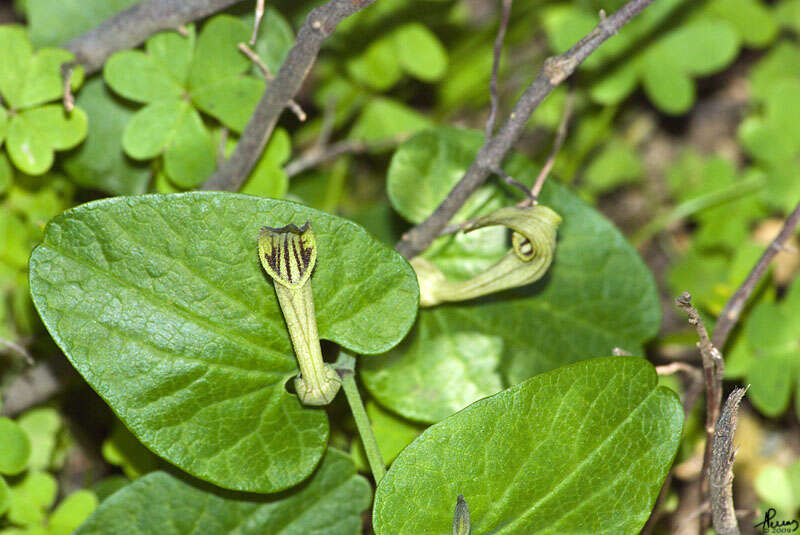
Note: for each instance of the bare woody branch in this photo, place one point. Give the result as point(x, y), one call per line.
point(713, 370)
point(131, 27)
point(555, 70)
point(723, 514)
point(319, 24)
point(733, 308)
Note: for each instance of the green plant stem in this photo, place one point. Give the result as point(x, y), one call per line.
point(346, 368)
point(692, 206)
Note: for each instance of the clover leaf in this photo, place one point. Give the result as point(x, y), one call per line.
point(160, 302)
point(15, 447)
point(100, 162)
point(770, 133)
point(42, 425)
point(705, 39)
point(766, 354)
point(410, 48)
point(33, 129)
point(177, 77)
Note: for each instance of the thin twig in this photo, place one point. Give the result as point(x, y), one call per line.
point(131, 27)
point(257, 21)
point(250, 53)
point(733, 308)
point(319, 24)
point(66, 76)
point(532, 194)
point(723, 514)
point(713, 369)
point(675, 367)
point(498, 51)
point(511, 181)
point(18, 350)
point(316, 155)
point(561, 135)
point(555, 70)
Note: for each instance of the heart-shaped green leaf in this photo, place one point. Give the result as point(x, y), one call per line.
point(384, 118)
point(331, 502)
point(15, 54)
point(152, 128)
point(29, 79)
point(275, 39)
point(139, 77)
point(173, 52)
point(667, 86)
point(420, 52)
point(217, 55)
point(71, 512)
point(717, 40)
point(597, 295)
point(161, 304)
point(231, 100)
point(189, 155)
point(174, 128)
point(31, 498)
point(15, 447)
point(34, 135)
point(99, 162)
point(582, 449)
point(42, 426)
point(378, 66)
point(43, 78)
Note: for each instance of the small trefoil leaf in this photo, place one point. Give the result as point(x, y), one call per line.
point(288, 255)
point(461, 520)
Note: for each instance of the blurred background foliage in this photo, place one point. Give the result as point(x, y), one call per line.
point(685, 133)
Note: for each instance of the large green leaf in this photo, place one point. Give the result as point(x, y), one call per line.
point(331, 502)
point(582, 449)
point(597, 295)
point(160, 303)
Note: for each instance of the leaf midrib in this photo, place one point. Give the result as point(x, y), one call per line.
point(510, 527)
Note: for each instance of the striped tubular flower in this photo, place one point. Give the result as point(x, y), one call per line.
point(289, 254)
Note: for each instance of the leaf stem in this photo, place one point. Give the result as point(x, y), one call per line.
point(346, 367)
